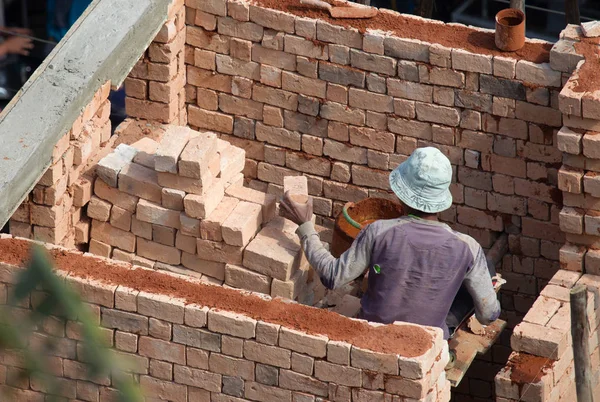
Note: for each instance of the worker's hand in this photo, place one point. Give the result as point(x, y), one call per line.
point(22, 31)
point(298, 213)
point(17, 45)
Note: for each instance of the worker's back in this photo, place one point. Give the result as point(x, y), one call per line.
point(419, 268)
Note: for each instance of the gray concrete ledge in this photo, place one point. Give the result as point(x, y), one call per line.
point(103, 45)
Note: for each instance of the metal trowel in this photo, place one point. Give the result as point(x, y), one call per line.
point(357, 11)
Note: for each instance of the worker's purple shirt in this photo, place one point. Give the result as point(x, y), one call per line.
point(422, 266)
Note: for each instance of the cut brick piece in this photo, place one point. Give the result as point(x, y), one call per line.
point(200, 207)
point(267, 201)
point(171, 146)
point(141, 182)
point(273, 253)
point(158, 252)
point(243, 278)
point(110, 166)
point(210, 227)
point(197, 155)
point(242, 224)
point(154, 213)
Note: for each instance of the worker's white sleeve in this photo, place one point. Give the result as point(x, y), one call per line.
point(336, 272)
point(479, 284)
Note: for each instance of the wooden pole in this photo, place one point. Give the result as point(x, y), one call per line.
point(518, 4)
point(581, 347)
point(425, 8)
point(497, 252)
point(572, 12)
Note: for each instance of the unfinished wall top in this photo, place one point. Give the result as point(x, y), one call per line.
point(303, 349)
point(412, 28)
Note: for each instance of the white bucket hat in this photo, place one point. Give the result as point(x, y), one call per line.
point(422, 181)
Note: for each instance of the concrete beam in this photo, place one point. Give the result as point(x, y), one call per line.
point(103, 45)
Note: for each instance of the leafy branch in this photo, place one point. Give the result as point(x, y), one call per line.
point(59, 301)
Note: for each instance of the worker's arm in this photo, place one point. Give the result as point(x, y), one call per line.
point(336, 272)
point(479, 284)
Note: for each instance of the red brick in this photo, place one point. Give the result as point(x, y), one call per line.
point(542, 230)
point(479, 219)
point(108, 234)
point(210, 120)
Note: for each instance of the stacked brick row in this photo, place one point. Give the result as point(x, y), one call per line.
point(343, 108)
point(546, 333)
point(578, 177)
point(52, 212)
point(179, 204)
point(155, 87)
point(190, 353)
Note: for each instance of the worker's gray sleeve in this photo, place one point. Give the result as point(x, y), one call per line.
point(336, 272)
point(479, 284)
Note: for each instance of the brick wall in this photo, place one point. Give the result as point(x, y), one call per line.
point(155, 87)
point(545, 331)
point(544, 336)
point(54, 211)
point(188, 352)
point(344, 108)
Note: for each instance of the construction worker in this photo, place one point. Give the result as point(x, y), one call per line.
point(416, 263)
